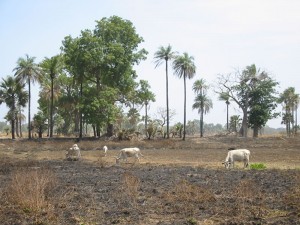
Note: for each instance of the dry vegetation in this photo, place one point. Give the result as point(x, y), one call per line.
point(175, 183)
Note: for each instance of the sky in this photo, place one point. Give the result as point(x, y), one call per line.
point(222, 36)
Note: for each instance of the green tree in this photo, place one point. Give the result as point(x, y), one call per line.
point(52, 67)
point(262, 101)
point(11, 91)
point(184, 67)
point(202, 102)
point(22, 99)
point(235, 123)
point(104, 57)
point(145, 96)
point(73, 51)
point(164, 54)
point(28, 71)
point(39, 123)
point(289, 100)
point(224, 96)
point(240, 87)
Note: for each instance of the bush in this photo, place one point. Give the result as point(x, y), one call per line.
point(258, 166)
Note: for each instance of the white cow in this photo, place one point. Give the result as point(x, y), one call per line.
point(128, 152)
point(73, 153)
point(105, 149)
point(237, 155)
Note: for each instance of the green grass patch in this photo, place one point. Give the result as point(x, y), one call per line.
point(258, 166)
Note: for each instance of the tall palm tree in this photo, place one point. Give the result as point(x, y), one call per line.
point(27, 71)
point(164, 54)
point(52, 67)
point(224, 96)
point(184, 67)
point(10, 92)
point(200, 88)
point(203, 104)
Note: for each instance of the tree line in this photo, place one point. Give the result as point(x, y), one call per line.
point(93, 82)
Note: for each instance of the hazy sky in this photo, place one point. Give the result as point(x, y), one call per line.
point(221, 35)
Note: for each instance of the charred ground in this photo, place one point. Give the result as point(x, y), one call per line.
point(176, 183)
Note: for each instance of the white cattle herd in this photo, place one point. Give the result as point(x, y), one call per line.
point(235, 155)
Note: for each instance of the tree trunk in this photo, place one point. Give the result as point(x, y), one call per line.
point(51, 110)
point(227, 117)
point(244, 128)
point(201, 123)
point(146, 118)
point(17, 126)
point(29, 104)
point(167, 96)
point(80, 113)
point(13, 129)
point(255, 131)
point(110, 130)
point(184, 119)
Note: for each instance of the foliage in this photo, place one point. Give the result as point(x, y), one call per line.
point(39, 123)
point(13, 94)
point(247, 90)
point(202, 102)
point(102, 61)
point(257, 166)
point(235, 123)
point(164, 54)
point(262, 104)
point(184, 67)
point(290, 101)
point(28, 71)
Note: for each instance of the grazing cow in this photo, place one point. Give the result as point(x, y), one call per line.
point(73, 154)
point(105, 149)
point(128, 152)
point(237, 155)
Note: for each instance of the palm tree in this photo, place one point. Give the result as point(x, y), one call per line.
point(289, 99)
point(165, 54)
point(52, 67)
point(224, 96)
point(11, 91)
point(201, 100)
point(22, 101)
point(203, 104)
point(184, 67)
point(27, 71)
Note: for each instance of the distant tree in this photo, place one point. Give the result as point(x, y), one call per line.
point(202, 102)
point(191, 127)
point(235, 123)
point(184, 67)
point(104, 57)
point(145, 96)
point(224, 96)
point(262, 103)
point(10, 91)
point(290, 101)
point(52, 67)
point(241, 87)
point(39, 123)
point(161, 118)
point(164, 54)
point(28, 71)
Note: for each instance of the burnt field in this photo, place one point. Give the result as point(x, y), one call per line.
point(176, 182)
